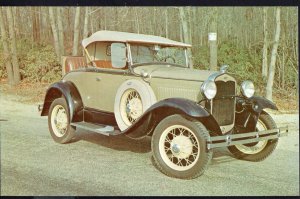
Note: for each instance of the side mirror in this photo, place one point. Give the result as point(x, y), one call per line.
point(118, 55)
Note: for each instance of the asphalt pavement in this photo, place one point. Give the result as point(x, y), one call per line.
point(96, 165)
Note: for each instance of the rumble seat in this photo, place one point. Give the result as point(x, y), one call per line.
point(73, 62)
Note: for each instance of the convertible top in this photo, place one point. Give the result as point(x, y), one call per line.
point(114, 36)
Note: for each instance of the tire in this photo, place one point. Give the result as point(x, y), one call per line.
point(59, 122)
point(179, 147)
point(133, 98)
point(257, 151)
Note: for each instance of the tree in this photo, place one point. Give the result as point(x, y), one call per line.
point(55, 33)
point(7, 57)
point(13, 46)
point(185, 31)
point(76, 32)
point(269, 87)
point(60, 31)
point(265, 47)
point(213, 61)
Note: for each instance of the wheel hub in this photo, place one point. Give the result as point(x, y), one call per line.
point(134, 108)
point(181, 146)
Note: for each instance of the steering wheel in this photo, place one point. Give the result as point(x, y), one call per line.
point(169, 59)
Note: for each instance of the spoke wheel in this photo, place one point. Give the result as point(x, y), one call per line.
point(257, 151)
point(131, 106)
point(59, 121)
point(179, 147)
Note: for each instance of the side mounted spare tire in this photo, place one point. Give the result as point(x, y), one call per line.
point(132, 99)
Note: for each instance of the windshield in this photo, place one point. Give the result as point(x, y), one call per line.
point(153, 53)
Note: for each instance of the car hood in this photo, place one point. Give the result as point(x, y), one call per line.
point(172, 72)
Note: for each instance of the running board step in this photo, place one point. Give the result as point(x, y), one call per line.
point(102, 129)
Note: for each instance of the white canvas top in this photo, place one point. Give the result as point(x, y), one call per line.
point(114, 36)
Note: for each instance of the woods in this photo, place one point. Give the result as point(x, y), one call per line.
point(258, 43)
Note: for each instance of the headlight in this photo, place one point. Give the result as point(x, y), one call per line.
point(209, 89)
point(247, 88)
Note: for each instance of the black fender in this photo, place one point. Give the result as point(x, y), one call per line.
point(262, 103)
point(69, 91)
point(145, 125)
point(249, 110)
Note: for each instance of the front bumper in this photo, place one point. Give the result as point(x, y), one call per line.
point(245, 138)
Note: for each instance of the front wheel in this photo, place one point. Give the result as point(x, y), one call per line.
point(59, 122)
point(257, 151)
point(179, 147)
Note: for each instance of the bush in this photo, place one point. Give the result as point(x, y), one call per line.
point(242, 64)
point(38, 62)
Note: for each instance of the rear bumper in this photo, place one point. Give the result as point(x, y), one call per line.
point(244, 138)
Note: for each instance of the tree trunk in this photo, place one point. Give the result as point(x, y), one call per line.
point(213, 46)
point(13, 46)
point(265, 48)
point(60, 30)
point(7, 57)
point(186, 35)
point(55, 33)
point(76, 32)
point(269, 87)
point(86, 23)
point(166, 23)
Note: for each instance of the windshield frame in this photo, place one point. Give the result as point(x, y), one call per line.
point(131, 65)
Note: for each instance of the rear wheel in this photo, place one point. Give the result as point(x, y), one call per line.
point(59, 122)
point(257, 151)
point(179, 147)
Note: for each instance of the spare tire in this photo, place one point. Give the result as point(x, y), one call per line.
point(133, 98)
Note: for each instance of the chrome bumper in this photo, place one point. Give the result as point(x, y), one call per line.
point(244, 138)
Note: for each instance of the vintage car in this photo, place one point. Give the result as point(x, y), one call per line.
point(143, 85)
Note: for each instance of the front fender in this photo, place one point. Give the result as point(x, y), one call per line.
point(148, 121)
point(262, 103)
point(68, 90)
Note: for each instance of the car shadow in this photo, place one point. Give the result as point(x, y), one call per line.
point(124, 143)
point(117, 142)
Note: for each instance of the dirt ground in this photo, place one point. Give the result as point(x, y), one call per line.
point(33, 164)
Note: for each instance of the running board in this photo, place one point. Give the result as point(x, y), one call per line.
point(102, 129)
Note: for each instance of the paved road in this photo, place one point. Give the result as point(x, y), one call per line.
point(33, 164)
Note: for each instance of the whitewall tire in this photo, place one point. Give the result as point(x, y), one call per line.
point(132, 99)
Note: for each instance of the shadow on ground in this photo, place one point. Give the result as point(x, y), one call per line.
point(124, 143)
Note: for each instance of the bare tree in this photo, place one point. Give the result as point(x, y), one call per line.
point(269, 87)
point(76, 32)
point(6, 52)
point(60, 31)
point(13, 46)
point(213, 61)
point(86, 23)
point(55, 33)
point(265, 48)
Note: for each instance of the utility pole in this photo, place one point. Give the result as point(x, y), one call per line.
point(212, 39)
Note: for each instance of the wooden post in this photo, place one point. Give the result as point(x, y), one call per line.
point(213, 59)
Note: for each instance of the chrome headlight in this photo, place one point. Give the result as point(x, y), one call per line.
point(247, 88)
point(209, 89)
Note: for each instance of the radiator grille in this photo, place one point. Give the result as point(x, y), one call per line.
point(223, 105)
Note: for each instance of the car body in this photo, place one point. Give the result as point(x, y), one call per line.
point(143, 85)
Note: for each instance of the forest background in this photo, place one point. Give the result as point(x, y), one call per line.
point(258, 43)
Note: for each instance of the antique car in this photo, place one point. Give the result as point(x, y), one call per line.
point(142, 85)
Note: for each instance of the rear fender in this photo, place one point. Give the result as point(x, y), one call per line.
point(67, 90)
point(146, 124)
